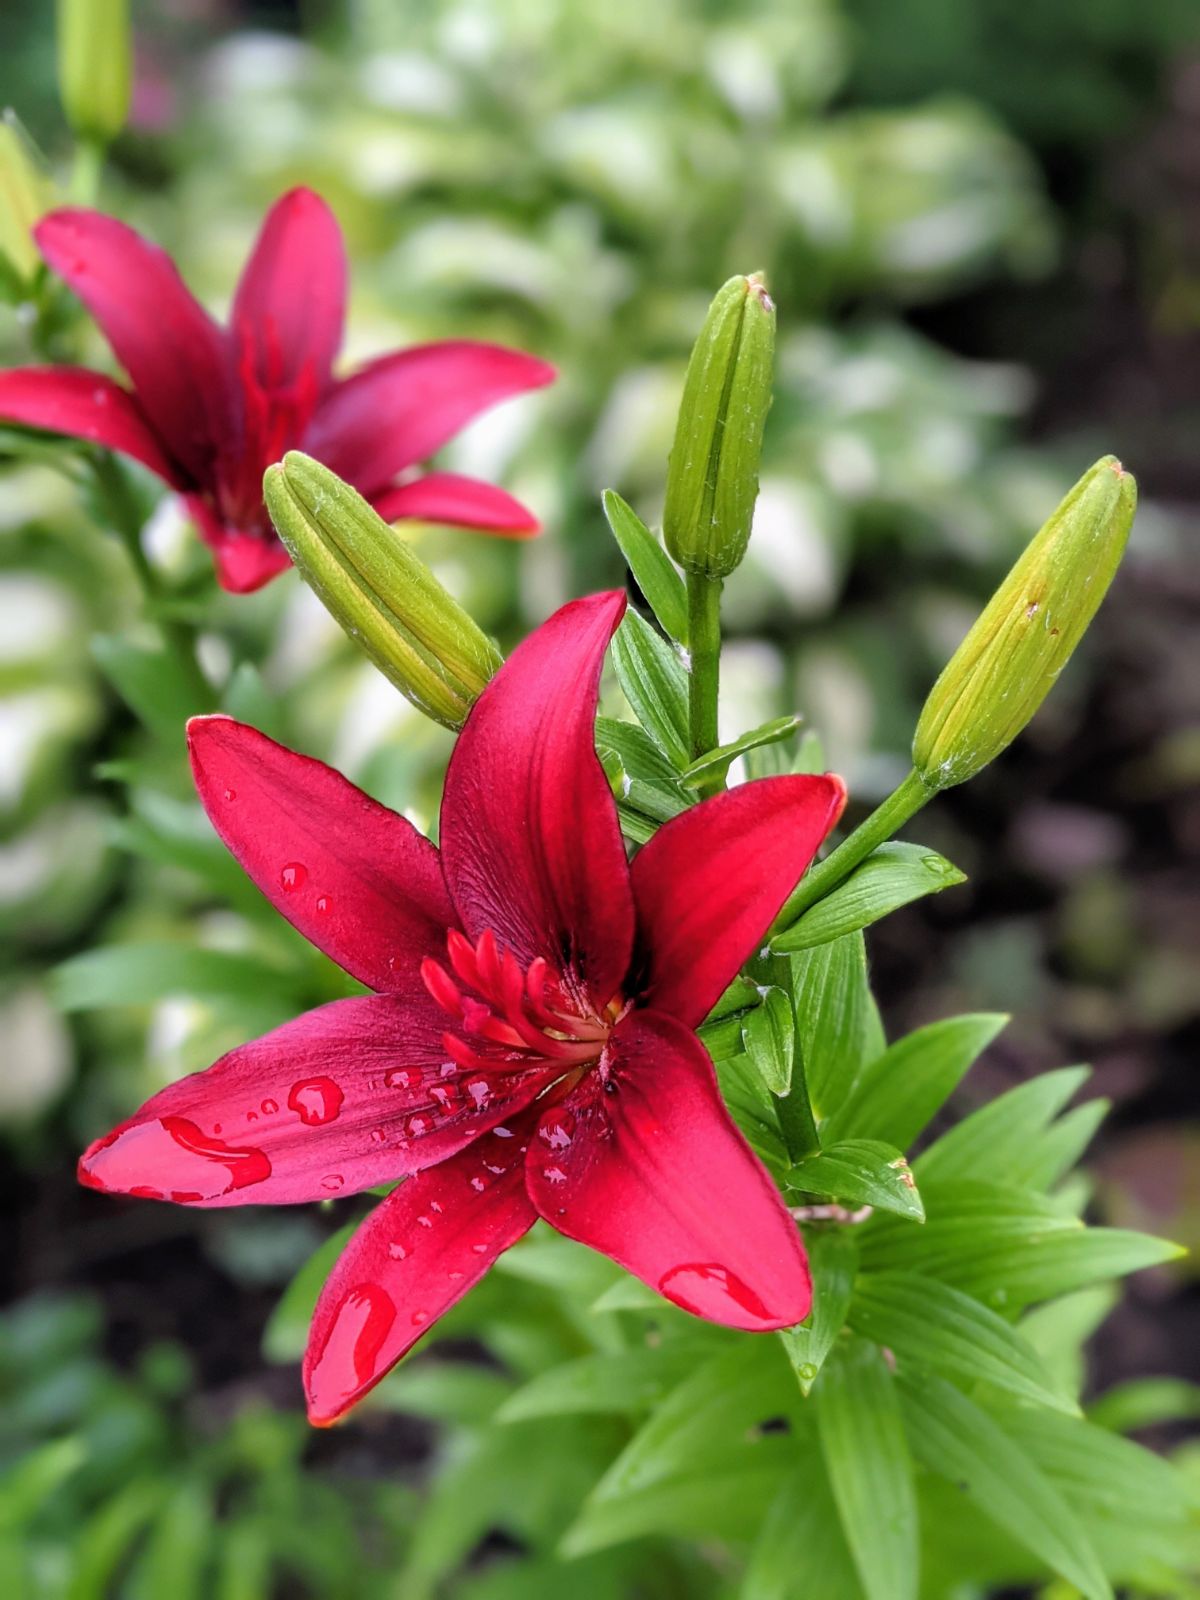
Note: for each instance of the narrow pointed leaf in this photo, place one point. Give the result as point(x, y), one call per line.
point(716, 763)
point(768, 1035)
point(801, 1543)
point(958, 1440)
point(870, 1469)
point(989, 1141)
point(833, 1258)
point(650, 564)
point(623, 1383)
point(654, 681)
point(902, 1089)
point(890, 877)
point(927, 1323)
point(860, 1172)
point(835, 1022)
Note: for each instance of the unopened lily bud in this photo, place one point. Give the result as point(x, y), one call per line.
point(381, 593)
point(95, 66)
point(1007, 664)
point(26, 194)
point(712, 480)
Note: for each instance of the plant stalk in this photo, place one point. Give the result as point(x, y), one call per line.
point(704, 646)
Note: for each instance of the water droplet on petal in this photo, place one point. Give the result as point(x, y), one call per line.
point(419, 1124)
point(502, 1133)
point(171, 1157)
point(479, 1092)
point(434, 1206)
point(270, 1107)
point(557, 1128)
point(478, 1185)
point(397, 1251)
point(231, 794)
point(378, 1135)
point(315, 1100)
point(455, 1277)
point(425, 1222)
point(293, 876)
point(703, 1287)
point(332, 1181)
point(403, 1078)
point(447, 1069)
point(447, 1095)
point(420, 1318)
point(555, 1175)
point(480, 1249)
point(324, 905)
point(350, 1356)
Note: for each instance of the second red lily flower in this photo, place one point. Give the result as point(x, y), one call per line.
point(211, 408)
point(530, 1050)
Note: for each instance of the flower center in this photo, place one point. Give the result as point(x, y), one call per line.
point(507, 1009)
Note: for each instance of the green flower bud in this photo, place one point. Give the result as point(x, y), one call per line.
point(26, 194)
point(712, 480)
point(380, 592)
point(1007, 664)
point(95, 66)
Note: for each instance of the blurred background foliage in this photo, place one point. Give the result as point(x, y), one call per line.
point(979, 223)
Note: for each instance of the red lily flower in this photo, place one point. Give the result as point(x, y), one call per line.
point(211, 408)
point(530, 1048)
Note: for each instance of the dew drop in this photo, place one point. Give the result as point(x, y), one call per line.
point(350, 1355)
point(324, 905)
point(447, 1069)
point(434, 1206)
point(555, 1175)
point(378, 1135)
point(270, 1107)
point(332, 1181)
point(315, 1100)
point(425, 1222)
point(448, 1096)
point(502, 1133)
point(455, 1277)
point(807, 1371)
point(478, 1185)
point(420, 1318)
point(479, 1092)
point(293, 876)
point(231, 794)
point(403, 1078)
point(397, 1251)
point(706, 1288)
point(419, 1124)
point(480, 1249)
point(557, 1128)
point(171, 1157)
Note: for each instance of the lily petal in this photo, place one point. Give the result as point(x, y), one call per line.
point(710, 882)
point(654, 1174)
point(169, 345)
point(358, 881)
point(531, 845)
point(290, 305)
point(401, 408)
point(459, 502)
point(244, 559)
point(355, 1093)
point(85, 405)
point(415, 1255)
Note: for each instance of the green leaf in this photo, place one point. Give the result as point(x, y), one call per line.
point(1060, 1329)
point(1050, 1157)
point(1095, 1467)
point(833, 1258)
point(863, 1172)
point(1145, 1403)
point(801, 1548)
point(174, 1559)
point(993, 1139)
point(716, 763)
point(650, 564)
point(141, 974)
point(903, 1088)
point(927, 1323)
point(834, 1019)
point(638, 754)
point(755, 1110)
point(444, 1391)
point(631, 1294)
point(701, 1460)
point(958, 1440)
point(890, 877)
point(654, 681)
point(768, 1033)
point(623, 1383)
point(286, 1332)
point(152, 684)
point(869, 1467)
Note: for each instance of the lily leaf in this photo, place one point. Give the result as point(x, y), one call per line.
point(716, 763)
point(650, 564)
point(654, 681)
point(890, 877)
point(864, 1172)
point(833, 1257)
point(768, 1033)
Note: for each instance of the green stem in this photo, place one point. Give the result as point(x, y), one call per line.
point(902, 803)
point(704, 647)
point(125, 517)
point(86, 168)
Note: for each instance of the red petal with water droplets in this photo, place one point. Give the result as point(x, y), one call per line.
point(357, 880)
point(171, 348)
point(531, 845)
point(355, 1093)
point(85, 405)
point(710, 882)
point(459, 502)
point(414, 1256)
point(291, 301)
point(398, 410)
point(244, 560)
point(655, 1175)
